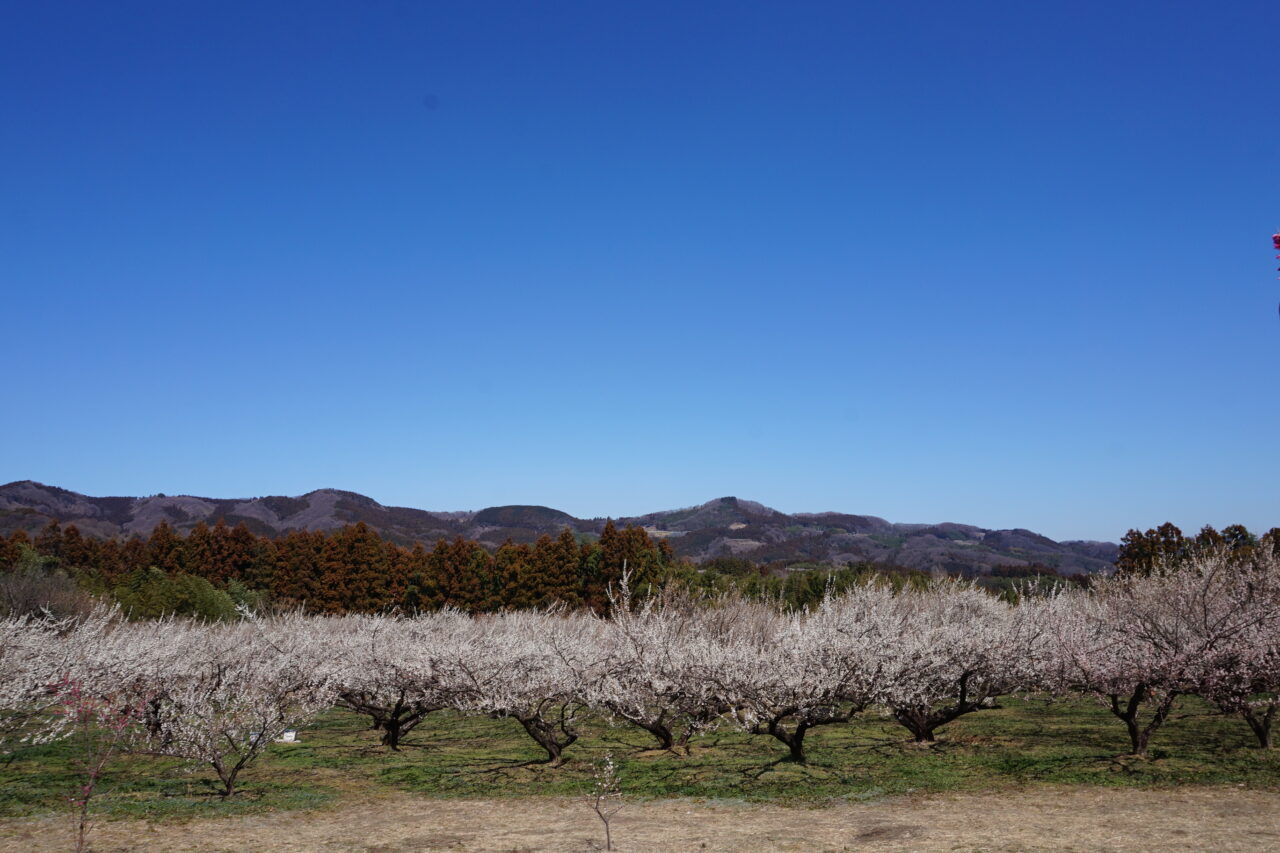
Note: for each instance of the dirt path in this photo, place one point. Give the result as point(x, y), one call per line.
point(1065, 819)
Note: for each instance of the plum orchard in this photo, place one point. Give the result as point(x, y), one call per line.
point(671, 665)
point(1208, 626)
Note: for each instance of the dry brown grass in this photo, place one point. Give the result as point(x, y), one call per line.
point(1045, 819)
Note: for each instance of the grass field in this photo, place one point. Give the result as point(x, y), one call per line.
point(1026, 743)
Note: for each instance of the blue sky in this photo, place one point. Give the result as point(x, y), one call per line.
point(1000, 263)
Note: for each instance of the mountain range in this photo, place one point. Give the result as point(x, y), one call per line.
point(722, 527)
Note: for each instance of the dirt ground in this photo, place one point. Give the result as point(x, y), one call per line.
point(1055, 819)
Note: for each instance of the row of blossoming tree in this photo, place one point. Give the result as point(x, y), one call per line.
point(673, 666)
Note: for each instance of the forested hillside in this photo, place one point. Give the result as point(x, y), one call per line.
point(724, 527)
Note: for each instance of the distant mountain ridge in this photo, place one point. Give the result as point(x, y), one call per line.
point(725, 526)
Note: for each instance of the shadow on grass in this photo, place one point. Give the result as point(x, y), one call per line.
point(1026, 742)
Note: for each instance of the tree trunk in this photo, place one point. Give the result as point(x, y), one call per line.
point(1261, 724)
point(656, 726)
point(682, 742)
point(395, 721)
point(400, 724)
point(151, 717)
point(921, 720)
point(917, 722)
point(666, 740)
point(391, 733)
point(151, 720)
point(545, 735)
point(227, 775)
point(794, 739)
point(1140, 735)
point(695, 723)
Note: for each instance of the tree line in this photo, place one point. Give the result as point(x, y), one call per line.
point(215, 567)
point(1143, 553)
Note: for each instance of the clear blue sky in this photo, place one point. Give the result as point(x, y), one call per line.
point(1007, 264)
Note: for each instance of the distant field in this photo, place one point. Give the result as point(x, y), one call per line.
point(1025, 744)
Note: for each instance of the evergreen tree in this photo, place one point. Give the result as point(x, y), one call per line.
point(563, 570)
point(467, 584)
point(363, 586)
point(78, 552)
point(151, 593)
point(1141, 552)
point(510, 566)
point(218, 558)
point(9, 553)
point(397, 560)
point(533, 578)
point(618, 551)
point(1240, 542)
point(420, 590)
point(296, 578)
point(49, 540)
point(133, 555)
point(146, 593)
point(165, 550)
point(199, 551)
point(246, 559)
point(456, 570)
point(109, 561)
point(330, 595)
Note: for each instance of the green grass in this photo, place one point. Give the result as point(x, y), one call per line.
point(39, 780)
point(1024, 743)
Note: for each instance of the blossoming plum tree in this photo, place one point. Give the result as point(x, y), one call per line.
point(1139, 642)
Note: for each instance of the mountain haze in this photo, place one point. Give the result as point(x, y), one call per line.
point(726, 526)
